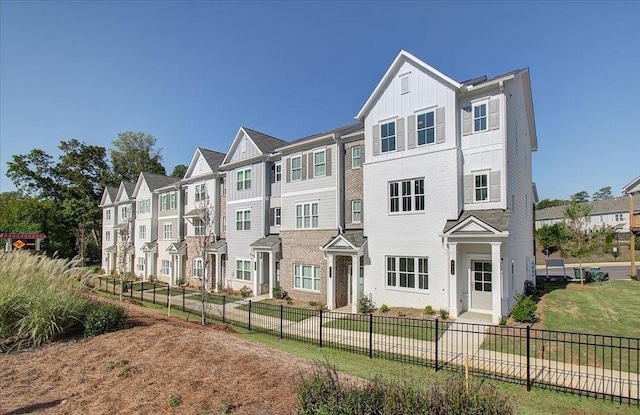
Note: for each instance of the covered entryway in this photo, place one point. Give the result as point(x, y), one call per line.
point(150, 250)
point(219, 252)
point(178, 251)
point(267, 253)
point(475, 243)
point(345, 261)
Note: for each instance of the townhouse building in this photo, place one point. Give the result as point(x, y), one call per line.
point(118, 236)
point(452, 162)
point(205, 211)
point(109, 237)
point(253, 172)
point(171, 246)
point(146, 223)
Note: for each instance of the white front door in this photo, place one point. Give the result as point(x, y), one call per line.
point(481, 285)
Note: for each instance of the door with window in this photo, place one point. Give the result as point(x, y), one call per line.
point(481, 285)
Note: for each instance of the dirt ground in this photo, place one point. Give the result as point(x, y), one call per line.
point(137, 371)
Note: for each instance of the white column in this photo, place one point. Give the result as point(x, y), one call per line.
point(331, 282)
point(256, 268)
point(455, 300)
point(496, 276)
point(355, 280)
point(217, 276)
point(272, 273)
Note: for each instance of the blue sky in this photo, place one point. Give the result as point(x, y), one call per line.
point(192, 73)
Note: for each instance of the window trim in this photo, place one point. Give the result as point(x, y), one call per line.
point(426, 128)
point(165, 271)
point(296, 170)
point(142, 232)
point(416, 274)
point(199, 228)
point(107, 236)
point(302, 216)
point(278, 172)
point(485, 104)
point(317, 165)
point(388, 137)
point(200, 192)
point(243, 270)
point(169, 226)
point(200, 268)
point(403, 196)
point(163, 201)
point(277, 216)
point(172, 201)
point(315, 277)
point(476, 188)
point(242, 223)
point(354, 158)
point(243, 179)
point(107, 214)
point(354, 211)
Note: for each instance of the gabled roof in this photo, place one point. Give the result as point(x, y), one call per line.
point(267, 242)
point(598, 207)
point(264, 142)
point(334, 133)
point(154, 181)
point(108, 196)
point(213, 159)
point(632, 187)
point(352, 240)
point(403, 57)
point(126, 188)
point(497, 221)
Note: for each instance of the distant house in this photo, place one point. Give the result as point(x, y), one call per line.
point(612, 212)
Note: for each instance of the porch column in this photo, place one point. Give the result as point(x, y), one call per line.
point(496, 276)
point(452, 273)
point(331, 281)
point(355, 281)
point(217, 276)
point(256, 268)
point(272, 273)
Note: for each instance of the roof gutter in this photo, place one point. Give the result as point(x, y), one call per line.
point(500, 82)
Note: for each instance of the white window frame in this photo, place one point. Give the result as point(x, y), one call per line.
point(141, 263)
point(142, 232)
point(199, 228)
point(167, 231)
point(307, 215)
point(296, 172)
point(197, 268)
point(278, 172)
point(172, 200)
point(426, 128)
point(407, 196)
point(356, 211)
point(163, 201)
point(407, 273)
point(201, 192)
point(243, 269)
point(306, 275)
point(243, 179)
point(243, 220)
point(480, 117)
point(224, 223)
point(319, 167)
point(479, 188)
point(123, 212)
point(107, 236)
point(165, 267)
point(277, 216)
point(107, 214)
point(355, 158)
point(388, 137)
point(147, 205)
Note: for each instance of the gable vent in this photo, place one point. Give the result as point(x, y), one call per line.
point(404, 84)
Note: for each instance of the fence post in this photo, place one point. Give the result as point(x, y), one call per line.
point(141, 290)
point(183, 308)
point(528, 358)
point(131, 290)
point(320, 327)
point(154, 293)
point(370, 336)
point(114, 286)
point(249, 315)
point(224, 306)
point(281, 315)
point(436, 341)
point(168, 292)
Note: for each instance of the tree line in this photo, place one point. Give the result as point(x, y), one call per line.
point(579, 197)
point(59, 196)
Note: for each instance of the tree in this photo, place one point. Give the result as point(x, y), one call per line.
point(580, 241)
point(602, 194)
point(124, 244)
point(545, 203)
point(179, 171)
point(133, 153)
point(551, 237)
point(580, 197)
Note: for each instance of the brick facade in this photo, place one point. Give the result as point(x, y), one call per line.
point(353, 186)
point(302, 247)
point(194, 251)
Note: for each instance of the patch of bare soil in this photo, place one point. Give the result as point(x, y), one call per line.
point(138, 370)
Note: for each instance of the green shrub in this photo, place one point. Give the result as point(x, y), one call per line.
point(323, 393)
point(525, 309)
point(104, 318)
point(428, 311)
point(364, 305)
point(384, 308)
point(245, 291)
point(503, 321)
point(174, 401)
point(444, 313)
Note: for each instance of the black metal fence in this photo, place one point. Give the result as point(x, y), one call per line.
point(594, 365)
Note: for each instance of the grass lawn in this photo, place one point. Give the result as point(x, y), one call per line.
point(288, 313)
point(213, 298)
point(400, 327)
point(593, 308)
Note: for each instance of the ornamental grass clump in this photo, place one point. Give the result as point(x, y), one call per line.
point(40, 298)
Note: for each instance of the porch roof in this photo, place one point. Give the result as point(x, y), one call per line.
point(348, 240)
point(111, 249)
point(498, 219)
point(177, 247)
point(150, 246)
point(268, 242)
